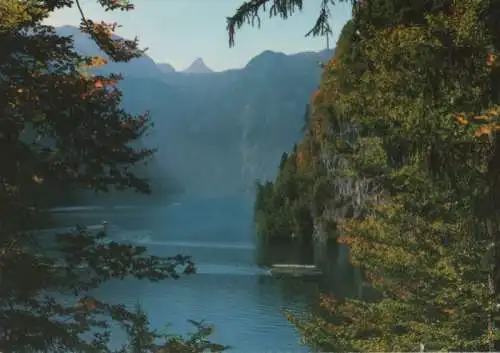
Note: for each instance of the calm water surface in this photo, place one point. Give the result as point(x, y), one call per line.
point(230, 290)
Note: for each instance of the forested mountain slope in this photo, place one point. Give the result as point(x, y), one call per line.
point(401, 163)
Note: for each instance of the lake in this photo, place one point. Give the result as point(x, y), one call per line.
point(229, 291)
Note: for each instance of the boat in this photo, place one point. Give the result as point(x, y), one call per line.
point(295, 270)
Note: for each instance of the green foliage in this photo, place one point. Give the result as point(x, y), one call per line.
point(141, 339)
point(249, 12)
point(280, 210)
point(284, 209)
point(62, 126)
point(404, 129)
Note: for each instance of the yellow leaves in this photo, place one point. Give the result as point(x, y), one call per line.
point(16, 14)
point(395, 38)
point(485, 122)
point(495, 111)
point(94, 62)
point(97, 61)
point(463, 22)
point(489, 126)
point(487, 129)
point(488, 116)
point(94, 84)
point(402, 35)
point(469, 17)
point(38, 179)
point(460, 118)
point(103, 28)
point(481, 118)
point(333, 63)
point(328, 302)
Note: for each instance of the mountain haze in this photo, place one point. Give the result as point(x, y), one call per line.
point(165, 67)
point(218, 132)
point(198, 67)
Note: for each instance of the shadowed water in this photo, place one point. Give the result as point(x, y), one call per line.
point(241, 299)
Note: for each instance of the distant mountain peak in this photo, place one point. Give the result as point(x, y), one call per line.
point(198, 67)
point(267, 57)
point(272, 60)
point(166, 67)
point(143, 66)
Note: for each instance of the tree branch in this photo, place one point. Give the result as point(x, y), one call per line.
point(248, 13)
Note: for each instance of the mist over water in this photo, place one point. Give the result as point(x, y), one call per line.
point(230, 291)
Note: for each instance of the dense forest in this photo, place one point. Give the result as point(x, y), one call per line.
point(400, 161)
point(62, 128)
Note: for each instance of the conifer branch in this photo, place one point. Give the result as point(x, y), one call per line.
point(84, 19)
point(248, 13)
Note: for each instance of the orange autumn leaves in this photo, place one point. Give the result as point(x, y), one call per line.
point(487, 123)
point(94, 62)
point(326, 91)
point(99, 28)
point(460, 118)
point(490, 59)
point(87, 304)
point(483, 124)
point(487, 129)
point(116, 48)
point(96, 84)
point(84, 84)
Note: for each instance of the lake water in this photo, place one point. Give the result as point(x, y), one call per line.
point(229, 291)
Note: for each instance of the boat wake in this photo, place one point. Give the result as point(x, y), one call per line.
point(146, 238)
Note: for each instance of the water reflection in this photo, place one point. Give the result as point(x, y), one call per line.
point(340, 278)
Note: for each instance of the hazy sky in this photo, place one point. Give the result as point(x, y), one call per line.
point(179, 31)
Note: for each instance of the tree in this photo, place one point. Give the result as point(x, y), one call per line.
point(249, 12)
point(63, 126)
point(143, 339)
point(412, 108)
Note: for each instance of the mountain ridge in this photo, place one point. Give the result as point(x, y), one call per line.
point(166, 67)
point(198, 66)
point(218, 132)
point(145, 66)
